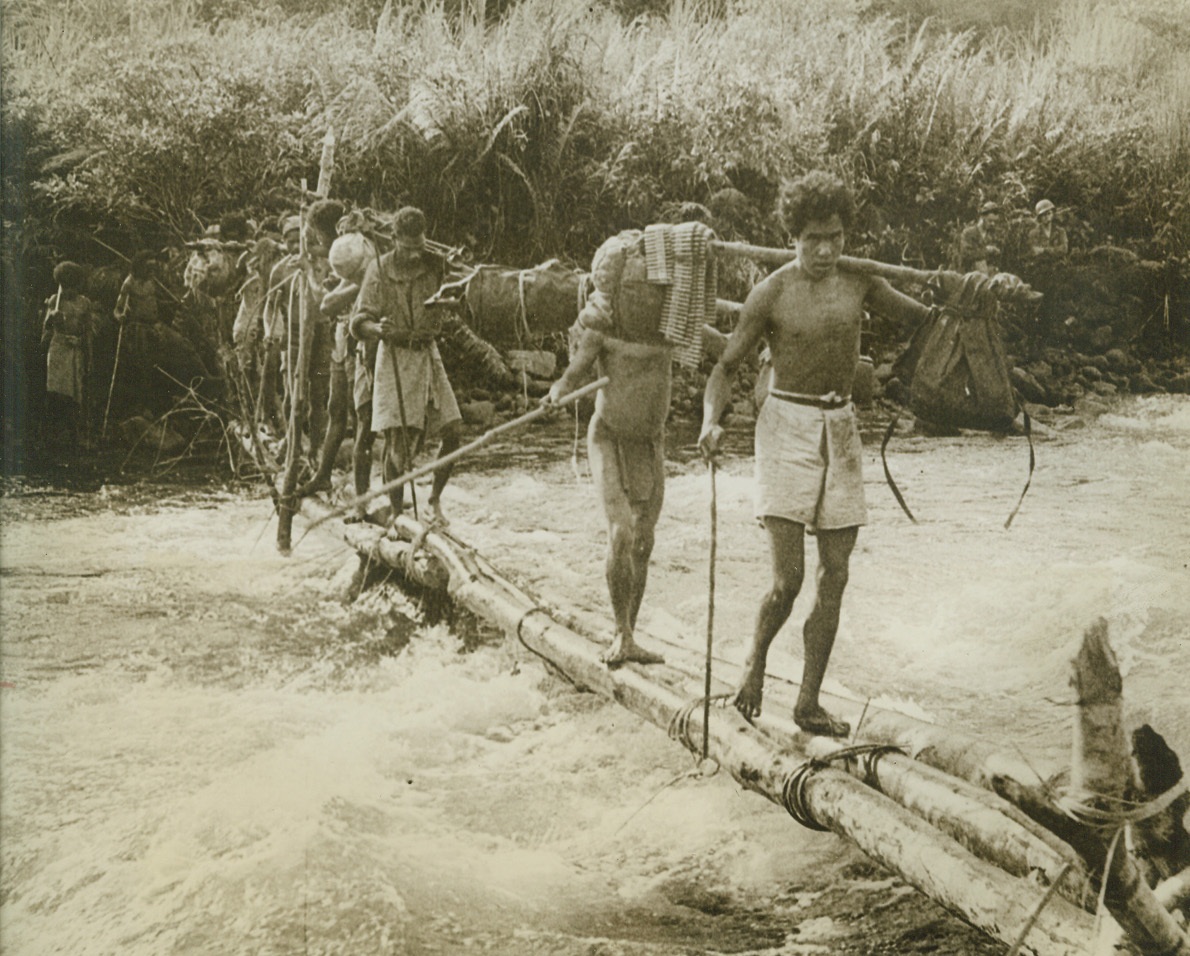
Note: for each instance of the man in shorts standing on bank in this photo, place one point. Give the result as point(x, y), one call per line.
point(808, 453)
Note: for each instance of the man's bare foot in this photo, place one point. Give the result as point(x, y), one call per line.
point(748, 697)
point(437, 518)
point(625, 649)
point(815, 720)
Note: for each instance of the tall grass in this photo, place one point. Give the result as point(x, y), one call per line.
point(540, 132)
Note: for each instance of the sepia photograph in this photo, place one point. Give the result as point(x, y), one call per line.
point(595, 477)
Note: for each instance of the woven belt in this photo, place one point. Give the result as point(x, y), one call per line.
point(828, 401)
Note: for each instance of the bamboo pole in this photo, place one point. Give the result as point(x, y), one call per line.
point(996, 902)
point(287, 505)
point(898, 275)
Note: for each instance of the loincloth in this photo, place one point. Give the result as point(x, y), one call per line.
point(809, 466)
point(425, 397)
point(635, 466)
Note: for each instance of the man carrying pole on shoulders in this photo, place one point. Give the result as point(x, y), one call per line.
point(808, 454)
point(631, 330)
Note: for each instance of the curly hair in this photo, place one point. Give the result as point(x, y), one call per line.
point(409, 222)
point(816, 195)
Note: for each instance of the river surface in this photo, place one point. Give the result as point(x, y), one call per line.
point(205, 750)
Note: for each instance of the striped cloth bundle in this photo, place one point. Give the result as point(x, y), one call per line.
point(680, 256)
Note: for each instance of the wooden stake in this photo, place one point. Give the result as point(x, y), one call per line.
point(1090, 818)
point(1100, 774)
point(287, 504)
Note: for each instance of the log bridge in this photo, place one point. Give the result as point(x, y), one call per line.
point(978, 830)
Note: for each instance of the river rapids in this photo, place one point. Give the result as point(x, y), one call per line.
point(205, 750)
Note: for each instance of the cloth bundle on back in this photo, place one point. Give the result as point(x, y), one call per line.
point(656, 283)
point(680, 256)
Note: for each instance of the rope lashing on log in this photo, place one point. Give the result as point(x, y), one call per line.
point(679, 725)
point(793, 788)
point(1117, 822)
point(520, 636)
point(1092, 816)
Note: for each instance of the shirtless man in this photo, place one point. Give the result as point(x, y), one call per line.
point(618, 335)
point(808, 451)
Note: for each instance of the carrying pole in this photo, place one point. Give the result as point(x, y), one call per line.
point(898, 275)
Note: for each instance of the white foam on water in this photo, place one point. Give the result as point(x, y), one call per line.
point(204, 753)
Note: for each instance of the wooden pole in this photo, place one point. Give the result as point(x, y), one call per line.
point(287, 504)
point(485, 439)
point(111, 388)
point(898, 275)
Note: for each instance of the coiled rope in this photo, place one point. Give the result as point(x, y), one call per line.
point(793, 788)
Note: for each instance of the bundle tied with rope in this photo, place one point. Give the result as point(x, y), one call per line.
point(956, 368)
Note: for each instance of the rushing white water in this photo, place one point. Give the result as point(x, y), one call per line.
point(204, 751)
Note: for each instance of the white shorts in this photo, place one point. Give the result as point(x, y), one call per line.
point(809, 465)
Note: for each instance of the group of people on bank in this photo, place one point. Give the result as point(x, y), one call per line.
point(94, 356)
point(979, 247)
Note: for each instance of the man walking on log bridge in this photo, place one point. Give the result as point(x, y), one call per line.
point(808, 454)
point(632, 328)
point(411, 399)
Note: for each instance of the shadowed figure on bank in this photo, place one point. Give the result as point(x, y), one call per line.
point(808, 453)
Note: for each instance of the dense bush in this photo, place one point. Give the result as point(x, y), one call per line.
point(533, 129)
point(536, 134)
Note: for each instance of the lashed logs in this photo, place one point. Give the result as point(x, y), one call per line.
point(1089, 819)
point(937, 865)
point(372, 542)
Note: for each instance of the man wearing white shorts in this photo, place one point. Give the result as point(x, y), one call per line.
point(807, 444)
